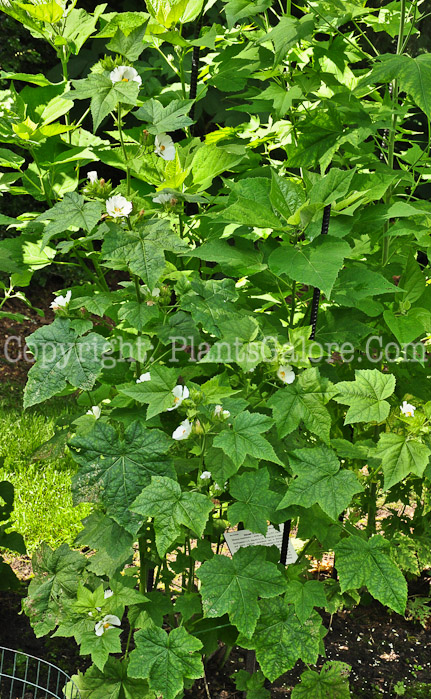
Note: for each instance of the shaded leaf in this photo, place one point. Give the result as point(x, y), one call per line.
point(304, 400)
point(114, 470)
point(366, 395)
point(361, 562)
point(171, 507)
point(166, 659)
point(233, 585)
point(62, 357)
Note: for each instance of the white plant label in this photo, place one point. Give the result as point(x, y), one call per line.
point(244, 537)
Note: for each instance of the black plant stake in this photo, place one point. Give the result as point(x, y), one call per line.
point(313, 320)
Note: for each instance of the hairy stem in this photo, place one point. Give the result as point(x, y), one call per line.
point(393, 129)
point(372, 510)
point(123, 147)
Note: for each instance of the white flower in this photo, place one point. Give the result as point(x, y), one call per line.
point(219, 412)
point(108, 622)
point(125, 74)
point(180, 393)
point(108, 593)
point(61, 301)
point(144, 377)
point(217, 487)
point(205, 475)
point(95, 411)
point(118, 205)
point(407, 409)
point(164, 196)
point(155, 292)
point(286, 373)
point(183, 431)
point(92, 176)
point(164, 146)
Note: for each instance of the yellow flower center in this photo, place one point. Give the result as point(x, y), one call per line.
point(282, 374)
point(124, 80)
point(117, 210)
point(106, 625)
point(176, 399)
point(162, 147)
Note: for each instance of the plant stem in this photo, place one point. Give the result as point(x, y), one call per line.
point(392, 133)
point(123, 147)
point(100, 274)
point(142, 542)
point(372, 509)
point(89, 274)
point(64, 61)
point(139, 300)
point(168, 61)
point(182, 76)
point(41, 179)
point(292, 304)
point(129, 638)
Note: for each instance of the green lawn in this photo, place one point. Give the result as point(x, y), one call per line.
point(43, 501)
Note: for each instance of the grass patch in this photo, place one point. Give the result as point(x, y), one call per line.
point(43, 499)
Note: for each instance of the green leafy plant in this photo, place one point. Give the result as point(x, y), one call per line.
point(210, 393)
point(8, 540)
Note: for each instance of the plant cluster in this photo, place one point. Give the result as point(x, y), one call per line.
point(207, 398)
point(8, 540)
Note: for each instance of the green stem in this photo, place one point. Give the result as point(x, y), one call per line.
point(364, 36)
point(129, 638)
point(392, 133)
point(64, 58)
point(142, 542)
point(157, 578)
point(168, 61)
point(226, 655)
point(307, 545)
point(100, 274)
point(372, 510)
point(123, 147)
point(139, 300)
point(181, 224)
point(292, 304)
point(41, 179)
point(182, 76)
point(412, 25)
point(192, 567)
point(88, 273)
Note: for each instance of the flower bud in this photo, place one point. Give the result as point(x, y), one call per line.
point(197, 427)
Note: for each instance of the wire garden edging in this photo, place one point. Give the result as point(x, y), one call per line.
point(23, 676)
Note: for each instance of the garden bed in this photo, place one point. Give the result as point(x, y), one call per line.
point(384, 651)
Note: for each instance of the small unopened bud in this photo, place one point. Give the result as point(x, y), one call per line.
point(102, 181)
point(142, 212)
point(197, 427)
point(173, 201)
